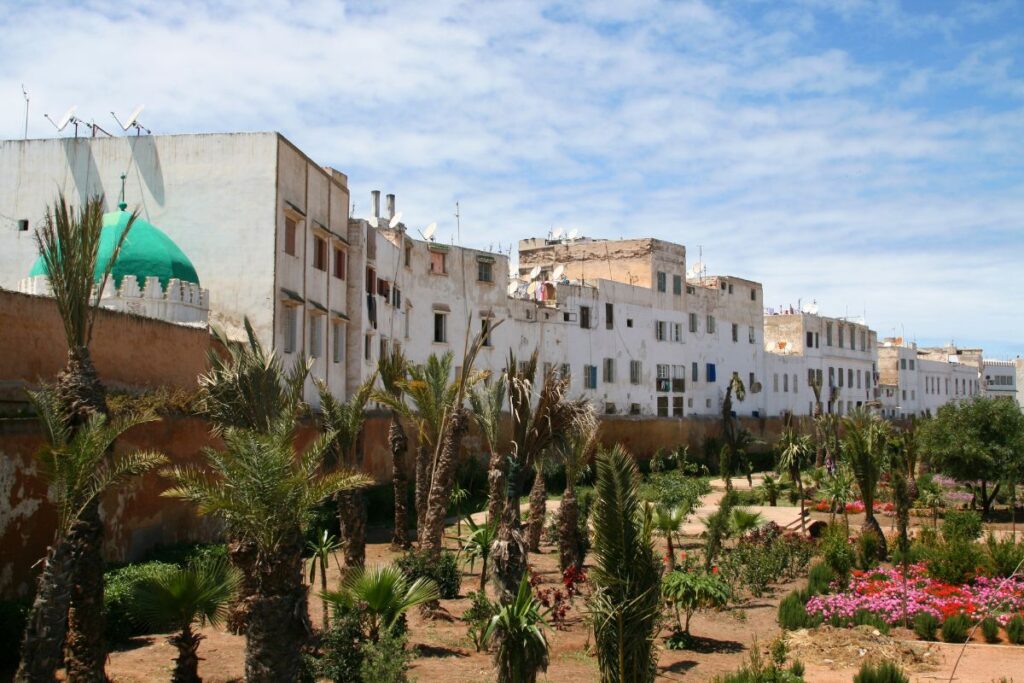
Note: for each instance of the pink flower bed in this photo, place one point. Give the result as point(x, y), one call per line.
point(881, 592)
point(857, 506)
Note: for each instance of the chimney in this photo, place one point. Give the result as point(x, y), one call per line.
point(391, 206)
point(375, 201)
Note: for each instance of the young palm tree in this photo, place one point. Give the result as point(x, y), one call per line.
point(392, 369)
point(864, 446)
point(794, 452)
point(770, 489)
point(517, 629)
point(732, 433)
point(744, 520)
point(197, 593)
point(625, 607)
point(321, 550)
point(264, 491)
point(667, 521)
point(575, 453)
point(837, 490)
point(477, 545)
point(76, 465)
point(932, 499)
point(382, 594)
point(344, 420)
point(458, 496)
point(486, 405)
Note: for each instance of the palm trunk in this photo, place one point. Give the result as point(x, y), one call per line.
point(495, 487)
point(242, 555)
point(423, 467)
point(538, 511)
point(508, 553)
point(278, 618)
point(442, 479)
point(399, 482)
point(352, 519)
point(803, 522)
point(186, 666)
point(871, 524)
point(42, 645)
point(86, 654)
point(568, 531)
point(326, 618)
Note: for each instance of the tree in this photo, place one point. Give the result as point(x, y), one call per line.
point(667, 521)
point(477, 545)
point(732, 433)
point(486, 405)
point(321, 550)
point(770, 489)
point(864, 446)
point(344, 421)
point(197, 593)
point(977, 440)
point(383, 594)
point(264, 491)
point(575, 453)
point(538, 506)
point(77, 467)
point(693, 591)
point(837, 490)
point(392, 369)
point(625, 605)
point(521, 650)
point(794, 451)
point(743, 520)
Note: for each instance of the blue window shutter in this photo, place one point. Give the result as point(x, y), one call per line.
point(711, 372)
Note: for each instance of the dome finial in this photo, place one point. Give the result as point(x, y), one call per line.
point(123, 205)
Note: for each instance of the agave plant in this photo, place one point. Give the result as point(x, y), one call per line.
point(197, 593)
point(382, 594)
point(477, 545)
point(517, 631)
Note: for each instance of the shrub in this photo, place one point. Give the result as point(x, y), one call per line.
point(691, 591)
point(955, 627)
point(756, 671)
point(443, 569)
point(990, 629)
point(1004, 555)
point(955, 561)
point(819, 579)
point(869, 546)
point(342, 648)
point(797, 668)
point(793, 615)
point(926, 625)
point(479, 614)
point(182, 554)
point(386, 661)
point(674, 489)
point(863, 617)
point(835, 550)
point(1015, 630)
point(119, 585)
point(13, 618)
point(882, 672)
point(961, 525)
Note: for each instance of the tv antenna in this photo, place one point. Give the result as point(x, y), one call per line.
point(25, 93)
point(556, 234)
point(395, 220)
point(428, 234)
point(133, 121)
point(69, 117)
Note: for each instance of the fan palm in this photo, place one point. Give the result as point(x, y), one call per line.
point(382, 594)
point(575, 454)
point(486, 405)
point(743, 520)
point(517, 628)
point(197, 593)
point(76, 465)
point(625, 605)
point(392, 369)
point(264, 491)
point(864, 444)
point(477, 545)
point(794, 451)
point(344, 421)
point(667, 521)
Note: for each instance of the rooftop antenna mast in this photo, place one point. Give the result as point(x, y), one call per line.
point(458, 223)
point(25, 93)
point(133, 121)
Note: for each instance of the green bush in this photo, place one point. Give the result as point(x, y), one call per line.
point(926, 625)
point(386, 661)
point(1004, 555)
point(122, 616)
point(13, 618)
point(819, 579)
point(869, 546)
point(443, 569)
point(955, 628)
point(341, 646)
point(674, 489)
point(756, 671)
point(479, 614)
point(990, 629)
point(1015, 630)
point(182, 554)
point(955, 561)
point(863, 617)
point(883, 672)
point(835, 550)
point(793, 615)
point(961, 525)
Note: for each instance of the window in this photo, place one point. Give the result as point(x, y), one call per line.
point(635, 371)
point(828, 334)
point(723, 286)
point(677, 332)
point(609, 316)
point(690, 289)
point(315, 335)
point(663, 406)
point(840, 377)
point(677, 285)
point(367, 340)
point(785, 383)
point(663, 382)
point(547, 369)
point(438, 262)
point(629, 322)
point(735, 333)
point(751, 381)
point(753, 293)
point(383, 351)
point(810, 377)
point(371, 280)
point(319, 253)
point(730, 288)
point(817, 341)
point(408, 255)
point(22, 225)
point(440, 328)
point(590, 377)
point(565, 373)
point(913, 395)
point(609, 408)
point(709, 372)
point(694, 371)
point(484, 271)
point(291, 314)
point(678, 378)
point(289, 236)
point(903, 363)
point(858, 379)
point(659, 330)
point(831, 377)
point(585, 317)
point(911, 363)
point(751, 335)
point(661, 281)
point(849, 377)
point(609, 370)
point(693, 323)
point(904, 394)
point(340, 263)
point(677, 406)
point(634, 408)
point(711, 324)
point(485, 331)
point(863, 340)
point(810, 340)
point(842, 331)
point(337, 342)
point(396, 297)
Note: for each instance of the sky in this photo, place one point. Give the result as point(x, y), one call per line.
point(865, 155)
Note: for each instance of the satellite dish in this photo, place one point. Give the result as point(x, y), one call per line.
point(395, 220)
point(531, 289)
point(697, 268)
point(559, 270)
point(66, 119)
point(513, 287)
point(573, 233)
point(556, 234)
point(372, 220)
point(134, 117)
point(535, 272)
point(429, 232)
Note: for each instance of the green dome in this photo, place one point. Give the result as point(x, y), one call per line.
point(146, 252)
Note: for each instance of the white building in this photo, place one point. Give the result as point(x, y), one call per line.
point(999, 378)
point(917, 382)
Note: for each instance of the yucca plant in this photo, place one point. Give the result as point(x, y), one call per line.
point(199, 593)
point(477, 545)
point(77, 466)
point(382, 595)
point(517, 632)
point(625, 605)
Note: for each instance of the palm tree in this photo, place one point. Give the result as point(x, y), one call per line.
point(864, 446)
point(794, 451)
point(667, 521)
point(264, 491)
point(522, 649)
point(77, 467)
point(321, 550)
point(744, 520)
point(69, 244)
point(575, 453)
point(932, 499)
point(382, 594)
point(770, 489)
point(197, 593)
point(837, 490)
point(486, 407)
point(344, 420)
point(732, 434)
point(538, 507)
point(458, 496)
point(392, 369)
point(477, 545)
point(625, 607)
